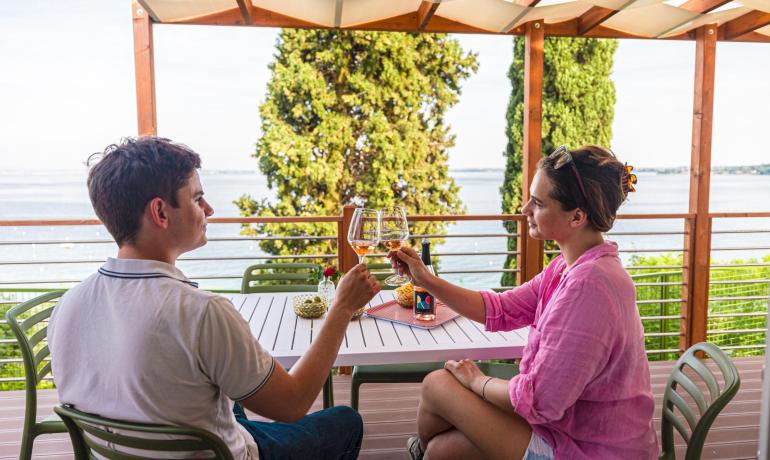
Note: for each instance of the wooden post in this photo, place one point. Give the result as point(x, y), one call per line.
point(346, 257)
point(521, 247)
point(534, 37)
point(698, 238)
point(145, 72)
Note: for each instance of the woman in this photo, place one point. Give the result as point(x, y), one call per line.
point(583, 391)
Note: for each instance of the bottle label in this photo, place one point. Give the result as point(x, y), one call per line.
point(424, 302)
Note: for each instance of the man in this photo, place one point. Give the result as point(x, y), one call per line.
point(138, 341)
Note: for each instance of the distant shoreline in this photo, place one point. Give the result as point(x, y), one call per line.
point(753, 170)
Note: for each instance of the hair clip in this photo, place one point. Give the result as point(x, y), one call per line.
point(629, 179)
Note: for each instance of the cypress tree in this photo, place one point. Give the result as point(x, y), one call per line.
point(578, 109)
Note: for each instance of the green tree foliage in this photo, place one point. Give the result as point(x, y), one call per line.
point(356, 118)
point(578, 108)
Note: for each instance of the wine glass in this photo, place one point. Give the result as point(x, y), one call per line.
point(364, 232)
point(394, 231)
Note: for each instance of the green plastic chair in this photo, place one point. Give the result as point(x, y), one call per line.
point(287, 277)
point(99, 429)
point(708, 406)
point(31, 335)
point(415, 373)
point(280, 277)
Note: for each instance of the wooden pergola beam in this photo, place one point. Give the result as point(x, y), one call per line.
point(531, 250)
point(594, 17)
point(511, 27)
point(425, 13)
point(702, 6)
point(144, 68)
point(245, 7)
point(742, 25)
point(260, 17)
point(698, 235)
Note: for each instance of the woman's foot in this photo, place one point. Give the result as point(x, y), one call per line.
point(414, 449)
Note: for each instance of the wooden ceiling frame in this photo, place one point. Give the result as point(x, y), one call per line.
point(425, 13)
point(743, 25)
point(245, 7)
point(426, 19)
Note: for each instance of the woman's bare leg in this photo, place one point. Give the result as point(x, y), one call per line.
point(445, 404)
point(452, 444)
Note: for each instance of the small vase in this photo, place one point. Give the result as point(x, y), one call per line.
point(326, 290)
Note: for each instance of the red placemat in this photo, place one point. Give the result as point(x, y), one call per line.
point(392, 311)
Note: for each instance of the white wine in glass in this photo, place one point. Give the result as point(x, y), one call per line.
point(364, 232)
point(394, 231)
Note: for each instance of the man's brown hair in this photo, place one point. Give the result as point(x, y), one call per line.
point(601, 174)
point(129, 175)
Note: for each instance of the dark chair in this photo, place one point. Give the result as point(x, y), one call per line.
point(280, 277)
point(288, 277)
point(414, 373)
point(28, 321)
point(102, 439)
point(708, 406)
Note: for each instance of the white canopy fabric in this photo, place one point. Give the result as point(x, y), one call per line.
point(744, 20)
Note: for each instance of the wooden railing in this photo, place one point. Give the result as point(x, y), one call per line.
point(683, 279)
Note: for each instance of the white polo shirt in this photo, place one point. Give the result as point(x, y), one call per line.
point(138, 341)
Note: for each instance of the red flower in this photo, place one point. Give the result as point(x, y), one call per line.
point(329, 271)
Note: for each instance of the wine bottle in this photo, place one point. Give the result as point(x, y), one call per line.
point(424, 301)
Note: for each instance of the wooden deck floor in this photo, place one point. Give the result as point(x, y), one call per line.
point(389, 414)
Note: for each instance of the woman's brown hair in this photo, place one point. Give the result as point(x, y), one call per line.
point(604, 187)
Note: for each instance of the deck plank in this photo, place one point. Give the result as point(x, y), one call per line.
point(389, 412)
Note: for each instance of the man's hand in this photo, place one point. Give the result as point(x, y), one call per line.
point(466, 372)
point(357, 287)
point(408, 261)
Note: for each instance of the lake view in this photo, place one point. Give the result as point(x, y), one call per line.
point(63, 195)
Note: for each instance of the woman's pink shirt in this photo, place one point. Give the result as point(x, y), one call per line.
point(584, 384)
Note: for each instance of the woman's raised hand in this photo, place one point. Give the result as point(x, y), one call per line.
point(408, 262)
point(465, 371)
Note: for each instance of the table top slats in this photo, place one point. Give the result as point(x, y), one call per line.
point(247, 307)
point(269, 330)
point(471, 331)
point(370, 331)
point(258, 315)
point(388, 334)
point(287, 337)
point(355, 336)
point(303, 334)
point(284, 341)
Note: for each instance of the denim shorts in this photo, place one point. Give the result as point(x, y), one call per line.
point(538, 449)
point(333, 433)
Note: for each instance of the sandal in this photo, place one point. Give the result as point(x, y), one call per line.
point(414, 449)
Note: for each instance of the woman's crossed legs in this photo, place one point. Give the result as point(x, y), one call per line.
point(454, 422)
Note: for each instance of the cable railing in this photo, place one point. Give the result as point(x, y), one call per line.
point(653, 249)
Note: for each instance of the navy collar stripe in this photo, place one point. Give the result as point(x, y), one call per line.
point(113, 274)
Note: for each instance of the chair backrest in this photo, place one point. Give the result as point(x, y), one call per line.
point(708, 406)
point(380, 271)
point(28, 322)
point(102, 438)
point(280, 277)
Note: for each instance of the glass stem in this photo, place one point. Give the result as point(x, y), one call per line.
point(360, 259)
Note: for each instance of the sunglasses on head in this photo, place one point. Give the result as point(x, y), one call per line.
point(561, 157)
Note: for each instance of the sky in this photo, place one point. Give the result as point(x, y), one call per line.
point(67, 90)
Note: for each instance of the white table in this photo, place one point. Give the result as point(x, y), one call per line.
point(370, 341)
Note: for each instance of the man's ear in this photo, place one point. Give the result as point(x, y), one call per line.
point(579, 218)
point(157, 212)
